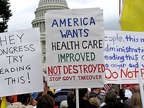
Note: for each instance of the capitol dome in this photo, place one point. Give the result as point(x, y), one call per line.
point(45, 5)
point(39, 21)
point(53, 3)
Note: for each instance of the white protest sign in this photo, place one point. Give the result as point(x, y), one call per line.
point(124, 56)
point(75, 48)
point(20, 62)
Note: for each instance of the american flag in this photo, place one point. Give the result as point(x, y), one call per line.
point(107, 87)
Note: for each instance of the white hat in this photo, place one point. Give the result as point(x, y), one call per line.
point(63, 104)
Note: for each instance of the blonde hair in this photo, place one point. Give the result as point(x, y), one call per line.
point(136, 100)
point(94, 101)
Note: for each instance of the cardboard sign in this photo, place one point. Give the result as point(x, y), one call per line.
point(75, 48)
point(124, 56)
point(20, 62)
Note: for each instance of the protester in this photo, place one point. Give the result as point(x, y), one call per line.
point(136, 100)
point(71, 99)
point(95, 93)
point(45, 101)
point(94, 101)
point(128, 92)
point(83, 99)
point(110, 98)
point(135, 89)
point(111, 101)
point(116, 89)
point(61, 96)
point(26, 99)
point(122, 95)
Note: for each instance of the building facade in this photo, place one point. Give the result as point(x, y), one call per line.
point(39, 21)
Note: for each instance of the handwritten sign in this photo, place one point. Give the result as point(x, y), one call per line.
point(124, 56)
point(20, 62)
point(75, 48)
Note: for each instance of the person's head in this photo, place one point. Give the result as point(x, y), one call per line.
point(45, 101)
point(136, 88)
point(25, 99)
point(94, 101)
point(136, 99)
point(110, 97)
point(96, 90)
point(115, 88)
point(71, 98)
point(83, 93)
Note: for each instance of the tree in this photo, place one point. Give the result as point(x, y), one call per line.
point(5, 14)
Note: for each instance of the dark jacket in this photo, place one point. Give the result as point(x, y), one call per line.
point(128, 102)
point(116, 105)
point(60, 96)
point(86, 104)
point(71, 106)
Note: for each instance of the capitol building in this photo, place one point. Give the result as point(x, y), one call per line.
point(39, 21)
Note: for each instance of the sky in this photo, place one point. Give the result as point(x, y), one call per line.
point(23, 12)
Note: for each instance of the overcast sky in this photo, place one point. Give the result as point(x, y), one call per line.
point(23, 12)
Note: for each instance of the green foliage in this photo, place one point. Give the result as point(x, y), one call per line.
point(5, 14)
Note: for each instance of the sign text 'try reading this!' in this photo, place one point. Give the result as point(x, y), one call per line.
point(11, 46)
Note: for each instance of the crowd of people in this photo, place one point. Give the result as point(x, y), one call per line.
point(127, 96)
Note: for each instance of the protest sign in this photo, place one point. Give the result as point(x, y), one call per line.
point(74, 46)
point(124, 56)
point(20, 62)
